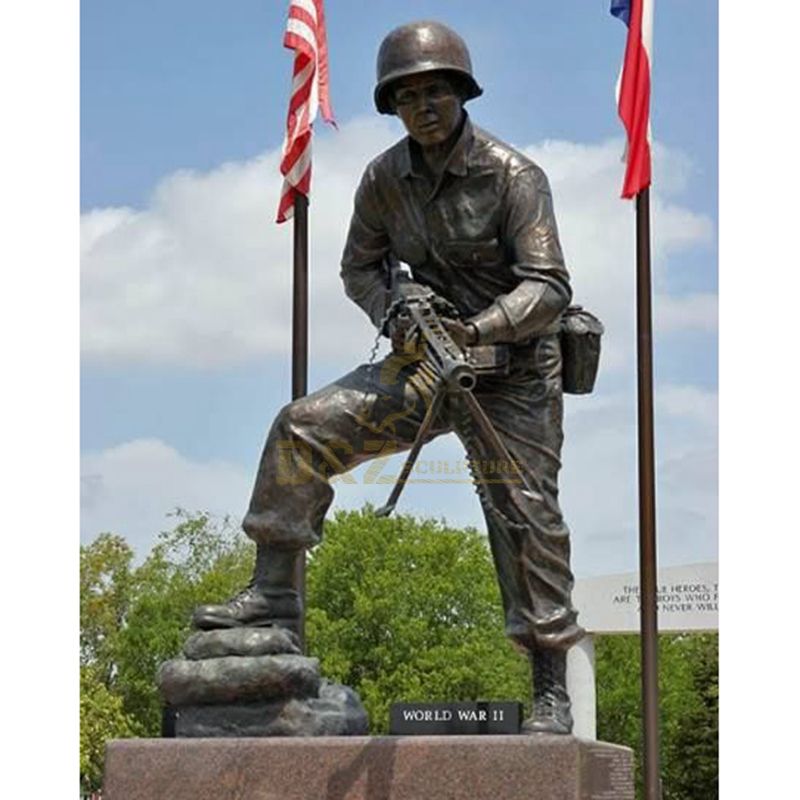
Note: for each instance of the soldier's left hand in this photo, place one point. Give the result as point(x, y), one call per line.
point(464, 335)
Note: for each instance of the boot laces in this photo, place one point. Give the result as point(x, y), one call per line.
point(244, 596)
point(547, 702)
point(550, 697)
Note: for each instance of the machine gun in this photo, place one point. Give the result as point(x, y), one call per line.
point(418, 310)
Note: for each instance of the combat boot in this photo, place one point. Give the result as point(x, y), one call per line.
point(551, 705)
point(269, 599)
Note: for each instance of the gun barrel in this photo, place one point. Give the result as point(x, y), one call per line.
point(441, 350)
point(459, 375)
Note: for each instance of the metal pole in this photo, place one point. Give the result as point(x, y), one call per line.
point(647, 502)
point(300, 352)
point(300, 299)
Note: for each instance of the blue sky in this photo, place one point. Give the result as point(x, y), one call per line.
point(185, 355)
point(191, 84)
point(158, 421)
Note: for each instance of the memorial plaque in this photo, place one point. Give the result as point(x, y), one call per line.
point(426, 719)
point(687, 596)
point(608, 774)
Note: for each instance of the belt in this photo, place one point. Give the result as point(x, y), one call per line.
point(495, 359)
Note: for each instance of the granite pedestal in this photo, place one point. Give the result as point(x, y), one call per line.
point(369, 768)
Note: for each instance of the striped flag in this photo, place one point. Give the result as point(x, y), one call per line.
point(633, 90)
point(305, 34)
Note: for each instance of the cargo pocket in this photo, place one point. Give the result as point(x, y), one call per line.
point(547, 357)
point(545, 382)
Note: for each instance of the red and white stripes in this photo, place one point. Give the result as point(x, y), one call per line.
point(305, 34)
point(633, 90)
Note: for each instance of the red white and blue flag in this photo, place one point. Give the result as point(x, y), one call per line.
point(305, 34)
point(633, 90)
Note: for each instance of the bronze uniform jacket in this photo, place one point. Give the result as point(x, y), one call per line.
point(484, 236)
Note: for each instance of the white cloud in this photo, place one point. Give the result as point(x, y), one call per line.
point(696, 312)
point(131, 488)
point(599, 481)
point(202, 275)
point(688, 401)
point(597, 232)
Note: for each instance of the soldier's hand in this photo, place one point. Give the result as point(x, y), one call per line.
point(398, 329)
point(463, 334)
point(408, 289)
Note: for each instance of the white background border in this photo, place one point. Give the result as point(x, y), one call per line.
point(39, 61)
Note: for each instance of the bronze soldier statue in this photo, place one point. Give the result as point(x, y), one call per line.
point(473, 220)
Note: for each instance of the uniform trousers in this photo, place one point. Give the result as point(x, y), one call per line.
point(376, 410)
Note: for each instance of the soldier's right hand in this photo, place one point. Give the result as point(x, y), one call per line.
point(399, 326)
point(408, 290)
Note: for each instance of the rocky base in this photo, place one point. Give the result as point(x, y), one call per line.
point(254, 682)
point(336, 711)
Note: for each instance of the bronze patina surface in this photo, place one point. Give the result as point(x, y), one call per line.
point(473, 220)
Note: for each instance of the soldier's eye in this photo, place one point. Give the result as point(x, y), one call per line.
point(404, 98)
point(439, 90)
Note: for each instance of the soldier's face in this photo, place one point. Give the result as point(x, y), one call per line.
point(429, 106)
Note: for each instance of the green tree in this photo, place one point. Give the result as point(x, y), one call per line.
point(399, 609)
point(201, 560)
point(105, 591)
point(133, 618)
point(688, 693)
point(404, 609)
point(102, 718)
point(693, 750)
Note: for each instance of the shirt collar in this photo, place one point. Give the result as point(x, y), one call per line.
point(457, 161)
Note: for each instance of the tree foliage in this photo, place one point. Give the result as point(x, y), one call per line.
point(133, 618)
point(105, 583)
point(102, 718)
point(400, 609)
point(688, 702)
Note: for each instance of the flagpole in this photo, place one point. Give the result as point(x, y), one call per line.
point(300, 354)
point(300, 299)
point(648, 575)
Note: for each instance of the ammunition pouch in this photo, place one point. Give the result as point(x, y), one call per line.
point(579, 333)
point(580, 350)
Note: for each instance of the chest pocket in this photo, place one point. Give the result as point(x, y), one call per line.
point(409, 248)
point(466, 254)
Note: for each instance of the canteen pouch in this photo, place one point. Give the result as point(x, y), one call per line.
point(580, 350)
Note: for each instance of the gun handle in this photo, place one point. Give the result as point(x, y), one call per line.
point(427, 422)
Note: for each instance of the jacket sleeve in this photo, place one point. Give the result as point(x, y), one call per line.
point(531, 236)
point(363, 271)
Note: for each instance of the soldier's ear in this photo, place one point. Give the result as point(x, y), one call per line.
point(460, 87)
point(390, 101)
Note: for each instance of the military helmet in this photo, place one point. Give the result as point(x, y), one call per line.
point(422, 47)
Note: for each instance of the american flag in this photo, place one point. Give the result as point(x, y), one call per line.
point(305, 34)
point(633, 90)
